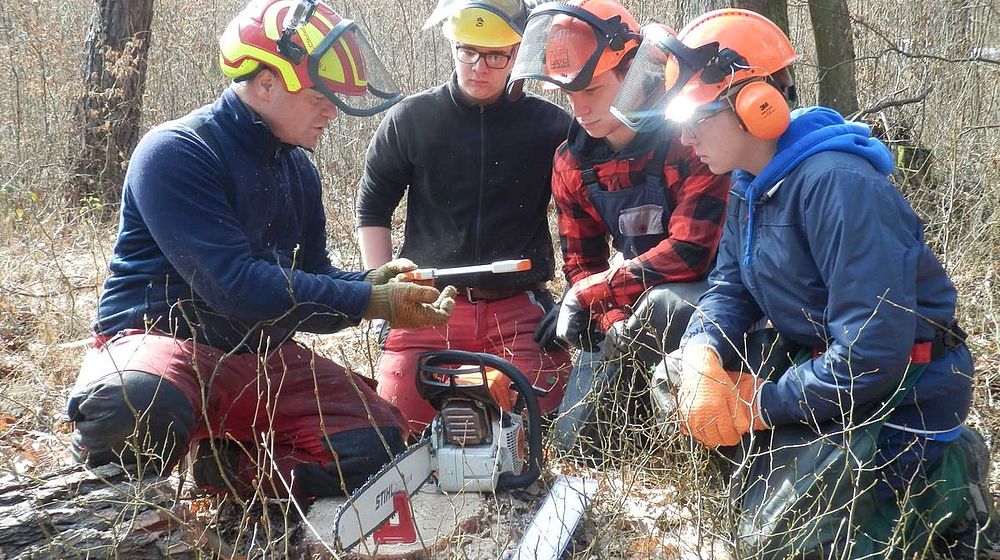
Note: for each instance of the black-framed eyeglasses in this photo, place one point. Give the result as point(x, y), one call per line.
point(496, 61)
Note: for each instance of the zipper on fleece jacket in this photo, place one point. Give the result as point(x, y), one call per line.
point(482, 178)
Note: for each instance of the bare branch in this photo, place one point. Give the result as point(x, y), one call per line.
point(883, 105)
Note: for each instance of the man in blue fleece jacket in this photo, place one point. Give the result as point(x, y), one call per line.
point(856, 444)
point(221, 257)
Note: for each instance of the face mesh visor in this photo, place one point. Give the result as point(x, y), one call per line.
point(347, 69)
point(662, 68)
point(641, 97)
point(559, 48)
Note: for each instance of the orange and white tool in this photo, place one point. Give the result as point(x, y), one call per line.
point(498, 267)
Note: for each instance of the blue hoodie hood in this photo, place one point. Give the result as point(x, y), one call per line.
point(812, 130)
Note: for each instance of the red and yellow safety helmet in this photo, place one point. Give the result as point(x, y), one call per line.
point(308, 45)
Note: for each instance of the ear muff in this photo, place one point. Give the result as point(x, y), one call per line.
point(763, 110)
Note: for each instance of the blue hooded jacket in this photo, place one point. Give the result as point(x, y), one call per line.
point(824, 246)
point(227, 248)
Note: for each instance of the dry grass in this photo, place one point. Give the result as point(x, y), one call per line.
point(657, 503)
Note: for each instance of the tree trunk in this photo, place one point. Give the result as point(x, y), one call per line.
point(111, 105)
point(774, 10)
point(831, 22)
point(111, 512)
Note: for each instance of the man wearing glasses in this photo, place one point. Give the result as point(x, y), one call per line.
point(475, 166)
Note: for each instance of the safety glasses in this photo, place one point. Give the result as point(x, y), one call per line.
point(690, 126)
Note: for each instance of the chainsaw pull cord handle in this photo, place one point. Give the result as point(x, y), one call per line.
point(528, 392)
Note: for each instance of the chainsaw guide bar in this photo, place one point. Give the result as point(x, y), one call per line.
point(368, 508)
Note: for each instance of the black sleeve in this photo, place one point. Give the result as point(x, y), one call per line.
point(388, 171)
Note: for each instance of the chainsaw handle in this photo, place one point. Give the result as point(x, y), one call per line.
point(529, 394)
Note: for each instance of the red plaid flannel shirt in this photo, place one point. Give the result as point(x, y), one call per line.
point(693, 231)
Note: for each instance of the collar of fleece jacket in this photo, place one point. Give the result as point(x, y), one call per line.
point(247, 129)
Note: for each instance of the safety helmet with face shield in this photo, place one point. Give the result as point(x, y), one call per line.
point(568, 44)
point(710, 62)
point(480, 23)
point(308, 45)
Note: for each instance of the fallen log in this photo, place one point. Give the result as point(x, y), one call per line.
point(106, 512)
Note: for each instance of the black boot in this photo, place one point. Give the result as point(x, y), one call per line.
point(216, 467)
point(977, 534)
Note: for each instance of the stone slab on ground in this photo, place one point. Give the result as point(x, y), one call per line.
point(439, 518)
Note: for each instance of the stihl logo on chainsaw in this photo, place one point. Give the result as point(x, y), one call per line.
point(384, 496)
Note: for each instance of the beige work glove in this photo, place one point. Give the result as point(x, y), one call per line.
point(408, 306)
point(388, 271)
point(710, 407)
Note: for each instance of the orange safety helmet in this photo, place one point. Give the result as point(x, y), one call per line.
point(750, 50)
point(308, 45)
point(568, 44)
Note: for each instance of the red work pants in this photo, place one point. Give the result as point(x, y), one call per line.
point(503, 327)
point(283, 406)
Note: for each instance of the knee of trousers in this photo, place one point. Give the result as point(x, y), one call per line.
point(370, 447)
point(666, 310)
point(355, 455)
point(131, 417)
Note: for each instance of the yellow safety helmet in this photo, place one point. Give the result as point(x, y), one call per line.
point(481, 23)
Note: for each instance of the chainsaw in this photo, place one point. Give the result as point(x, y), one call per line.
point(479, 440)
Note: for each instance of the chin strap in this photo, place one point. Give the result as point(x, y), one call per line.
point(514, 89)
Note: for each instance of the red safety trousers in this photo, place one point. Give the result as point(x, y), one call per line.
point(503, 327)
point(280, 405)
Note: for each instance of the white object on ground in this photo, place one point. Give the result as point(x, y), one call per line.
point(553, 526)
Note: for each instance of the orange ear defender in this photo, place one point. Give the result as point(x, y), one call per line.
point(762, 110)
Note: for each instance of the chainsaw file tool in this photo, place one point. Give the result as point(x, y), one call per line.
point(474, 444)
point(498, 267)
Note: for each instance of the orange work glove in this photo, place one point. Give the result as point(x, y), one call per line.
point(388, 271)
point(710, 410)
point(748, 390)
point(409, 306)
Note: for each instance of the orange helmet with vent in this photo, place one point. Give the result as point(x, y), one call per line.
point(308, 45)
point(719, 55)
point(750, 48)
point(567, 45)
